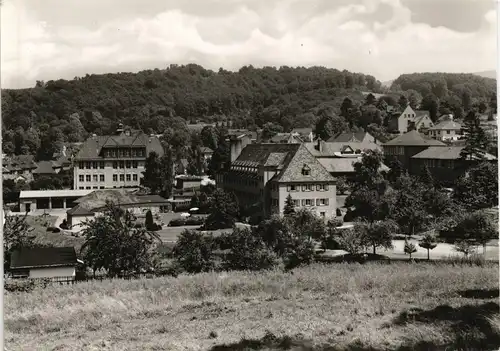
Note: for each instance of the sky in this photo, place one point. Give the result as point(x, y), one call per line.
point(53, 39)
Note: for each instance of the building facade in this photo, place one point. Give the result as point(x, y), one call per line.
point(446, 131)
point(410, 119)
point(265, 174)
point(405, 146)
point(113, 161)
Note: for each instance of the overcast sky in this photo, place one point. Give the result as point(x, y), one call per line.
point(52, 39)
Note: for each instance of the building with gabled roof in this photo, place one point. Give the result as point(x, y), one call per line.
point(447, 130)
point(267, 173)
point(114, 161)
point(445, 163)
point(53, 263)
point(409, 119)
point(407, 145)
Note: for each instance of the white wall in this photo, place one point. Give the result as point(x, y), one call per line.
point(52, 272)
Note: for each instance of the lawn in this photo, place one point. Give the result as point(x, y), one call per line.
point(347, 307)
point(42, 236)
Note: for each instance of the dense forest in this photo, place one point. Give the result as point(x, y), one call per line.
point(38, 120)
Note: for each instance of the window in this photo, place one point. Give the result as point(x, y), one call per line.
point(95, 187)
point(122, 164)
point(88, 178)
point(309, 187)
point(296, 202)
point(122, 177)
point(81, 178)
point(94, 165)
point(322, 214)
point(134, 164)
point(292, 187)
point(128, 177)
point(107, 153)
point(115, 177)
point(87, 165)
point(306, 170)
point(113, 153)
point(88, 187)
point(120, 153)
point(307, 202)
point(101, 178)
point(448, 132)
point(95, 177)
point(134, 177)
point(115, 164)
point(80, 188)
point(127, 153)
point(101, 187)
point(322, 202)
point(134, 153)
point(101, 164)
point(128, 164)
point(80, 165)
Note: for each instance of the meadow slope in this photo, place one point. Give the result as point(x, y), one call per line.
point(399, 306)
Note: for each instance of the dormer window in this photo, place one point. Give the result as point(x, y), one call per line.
point(306, 170)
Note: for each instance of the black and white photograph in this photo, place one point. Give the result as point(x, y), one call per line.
point(233, 175)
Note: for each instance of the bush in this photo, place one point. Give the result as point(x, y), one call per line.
point(193, 220)
point(24, 285)
point(247, 251)
point(64, 225)
point(300, 251)
point(194, 251)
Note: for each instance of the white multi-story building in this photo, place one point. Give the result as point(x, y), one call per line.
point(113, 161)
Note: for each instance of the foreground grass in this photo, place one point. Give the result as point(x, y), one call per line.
point(347, 307)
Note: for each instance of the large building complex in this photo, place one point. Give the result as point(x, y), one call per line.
point(113, 161)
point(268, 173)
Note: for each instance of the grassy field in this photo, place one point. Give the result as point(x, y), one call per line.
point(339, 307)
point(42, 236)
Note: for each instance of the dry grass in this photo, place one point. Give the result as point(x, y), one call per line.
point(348, 307)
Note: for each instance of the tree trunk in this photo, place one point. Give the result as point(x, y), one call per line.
point(374, 247)
point(410, 255)
point(428, 255)
point(484, 249)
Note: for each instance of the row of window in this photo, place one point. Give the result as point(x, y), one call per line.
point(125, 153)
point(101, 177)
point(91, 165)
point(440, 163)
point(90, 187)
point(394, 150)
point(100, 164)
point(307, 187)
point(306, 202)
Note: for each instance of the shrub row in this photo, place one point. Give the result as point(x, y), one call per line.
point(194, 220)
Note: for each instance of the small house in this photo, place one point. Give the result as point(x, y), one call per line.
point(54, 263)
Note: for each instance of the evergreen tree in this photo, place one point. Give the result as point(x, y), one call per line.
point(149, 222)
point(289, 206)
point(476, 139)
point(152, 173)
point(167, 173)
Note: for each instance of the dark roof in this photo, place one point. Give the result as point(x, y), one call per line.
point(445, 153)
point(44, 167)
point(290, 159)
point(348, 137)
point(413, 138)
point(43, 257)
point(92, 147)
point(80, 210)
point(285, 138)
point(20, 162)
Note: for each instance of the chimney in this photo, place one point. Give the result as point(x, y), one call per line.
point(319, 146)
